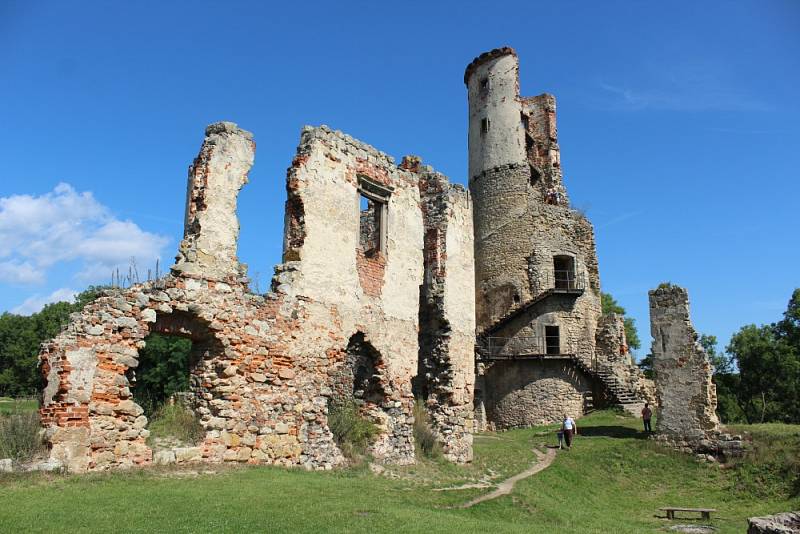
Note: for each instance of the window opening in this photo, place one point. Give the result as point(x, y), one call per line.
point(564, 271)
point(485, 125)
point(552, 340)
point(372, 212)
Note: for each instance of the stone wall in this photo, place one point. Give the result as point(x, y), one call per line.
point(687, 398)
point(522, 226)
point(340, 322)
point(446, 369)
point(525, 393)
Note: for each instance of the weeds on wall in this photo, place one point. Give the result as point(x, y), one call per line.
point(20, 434)
point(351, 430)
point(425, 440)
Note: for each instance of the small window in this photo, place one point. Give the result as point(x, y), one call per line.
point(525, 121)
point(485, 84)
point(485, 125)
point(552, 340)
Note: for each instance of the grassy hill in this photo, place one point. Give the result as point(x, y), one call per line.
point(613, 481)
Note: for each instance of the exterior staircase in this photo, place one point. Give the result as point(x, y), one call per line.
point(618, 393)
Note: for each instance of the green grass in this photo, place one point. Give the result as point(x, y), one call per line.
point(8, 405)
point(612, 481)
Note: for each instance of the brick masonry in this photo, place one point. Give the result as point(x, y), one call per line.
point(266, 367)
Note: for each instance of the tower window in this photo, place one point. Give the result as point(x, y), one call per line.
point(552, 340)
point(485, 84)
point(564, 271)
point(485, 124)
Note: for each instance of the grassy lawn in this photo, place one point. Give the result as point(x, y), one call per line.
point(8, 405)
point(611, 482)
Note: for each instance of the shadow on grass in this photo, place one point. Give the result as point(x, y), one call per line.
point(612, 432)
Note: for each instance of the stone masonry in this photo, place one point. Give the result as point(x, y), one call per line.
point(537, 283)
point(687, 398)
point(265, 368)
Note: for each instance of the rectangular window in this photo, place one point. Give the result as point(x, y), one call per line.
point(372, 213)
point(485, 84)
point(552, 340)
point(485, 125)
point(564, 271)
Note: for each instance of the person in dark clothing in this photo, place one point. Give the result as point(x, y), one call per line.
point(647, 414)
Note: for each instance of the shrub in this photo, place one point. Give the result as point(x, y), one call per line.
point(424, 437)
point(177, 421)
point(20, 434)
point(352, 431)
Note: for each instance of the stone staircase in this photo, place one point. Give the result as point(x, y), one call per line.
point(619, 394)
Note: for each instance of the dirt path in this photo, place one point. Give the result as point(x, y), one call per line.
point(505, 487)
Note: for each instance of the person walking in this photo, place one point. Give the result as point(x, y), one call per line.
point(569, 428)
point(647, 414)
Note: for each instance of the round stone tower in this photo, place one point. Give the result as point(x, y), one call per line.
point(499, 177)
point(496, 133)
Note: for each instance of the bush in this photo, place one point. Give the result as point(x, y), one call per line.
point(424, 437)
point(175, 420)
point(20, 435)
point(352, 431)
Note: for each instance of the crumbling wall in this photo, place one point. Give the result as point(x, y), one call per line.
point(211, 228)
point(268, 367)
point(446, 366)
point(687, 398)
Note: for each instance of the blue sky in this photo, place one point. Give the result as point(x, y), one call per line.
point(678, 125)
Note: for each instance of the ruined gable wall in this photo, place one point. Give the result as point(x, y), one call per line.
point(687, 398)
point(377, 295)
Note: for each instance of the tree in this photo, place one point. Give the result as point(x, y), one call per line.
point(609, 305)
point(21, 337)
point(726, 380)
point(646, 365)
point(768, 358)
point(163, 370)
point(722, 362)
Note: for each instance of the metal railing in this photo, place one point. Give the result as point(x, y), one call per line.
point(492, 347)
point(562, 280)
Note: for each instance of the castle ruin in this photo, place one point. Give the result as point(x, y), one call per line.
point(373, 303)
point(537, 295)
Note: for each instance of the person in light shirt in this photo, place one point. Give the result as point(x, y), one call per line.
point(569, 428)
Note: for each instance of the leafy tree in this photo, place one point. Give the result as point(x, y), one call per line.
point(726, 380)
point(768, 358)
point(610, 305)
point(163, 370)
point(646, 365)
point(722, 362)
point(21, 337)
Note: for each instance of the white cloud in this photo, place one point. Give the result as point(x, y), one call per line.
point(36, 302)
point(21, 273)
point(39, 232)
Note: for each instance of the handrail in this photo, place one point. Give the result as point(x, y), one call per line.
point(504, 347)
